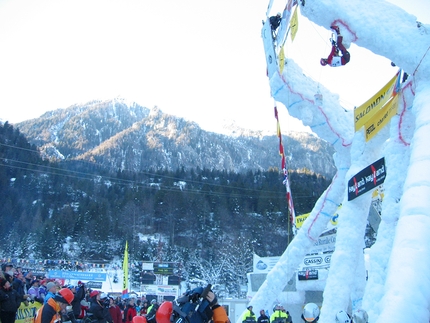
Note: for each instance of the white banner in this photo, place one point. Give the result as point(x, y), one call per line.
point(264, 264)
point(160, 290)
point(324, 244)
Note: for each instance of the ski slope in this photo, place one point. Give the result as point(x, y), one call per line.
point(398, 285)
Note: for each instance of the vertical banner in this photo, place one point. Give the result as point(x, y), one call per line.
point(294, 24)
point(125, 272)
point(281, 60)
point(284, 27)
point(286, 181)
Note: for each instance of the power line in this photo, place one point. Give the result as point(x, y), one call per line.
point(84, 175)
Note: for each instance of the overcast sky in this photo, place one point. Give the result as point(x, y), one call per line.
point(198, 59)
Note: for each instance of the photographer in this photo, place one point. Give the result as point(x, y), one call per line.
point(196, 306)
point(79, 293)
point(100, 307)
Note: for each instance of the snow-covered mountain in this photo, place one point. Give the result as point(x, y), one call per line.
point(124, 135)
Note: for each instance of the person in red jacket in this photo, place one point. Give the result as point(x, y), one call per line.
point(130, 311)
point(115, 311)
point(144, 308)
point(334, 59)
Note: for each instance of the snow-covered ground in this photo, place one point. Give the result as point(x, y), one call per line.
point(397, 288)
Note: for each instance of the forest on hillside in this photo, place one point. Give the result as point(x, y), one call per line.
point(80, 211)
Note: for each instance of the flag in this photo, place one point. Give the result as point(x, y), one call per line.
point(125, 272)
point(294, 24)
point(286, 181)
point(281, 60)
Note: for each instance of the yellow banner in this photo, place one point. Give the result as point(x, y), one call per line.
point(294, 24)
point(381, 118)
point(367, 110)
point(26, 313)
point(300, 219)
point(281, 60)
point(125, 272)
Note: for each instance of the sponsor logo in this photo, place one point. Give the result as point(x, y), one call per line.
point(313, 261)
point(261, 265)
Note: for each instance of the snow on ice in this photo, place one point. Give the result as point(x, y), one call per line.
point(397, 286)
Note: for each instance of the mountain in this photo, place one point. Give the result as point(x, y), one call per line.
point(126, 136)
point(69, 211)
point(213, 198)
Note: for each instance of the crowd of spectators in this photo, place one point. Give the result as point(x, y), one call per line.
point(88, 305)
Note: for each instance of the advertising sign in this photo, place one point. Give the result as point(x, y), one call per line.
point(26, 312)
point(368, 109)
point(77, 275)
point(163, 268)
point(367, 179)
point(324, 244)
point(160, 290)
point(307, 275)
point(381, 118)
point(321, 261)
point(264, 264)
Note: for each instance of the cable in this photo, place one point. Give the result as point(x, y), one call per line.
point(27, 166)
point(128, 181)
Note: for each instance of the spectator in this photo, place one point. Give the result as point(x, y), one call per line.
point(311, 313)
point(98, 309)
point(249, 316)
point(8, 268)
point(85, 306)
point(51, 311)
point(138, 305)
point(9, 300)
point(130, 311)
point(34, 292)
point(42, 288)
point(29, 279)
point(79, 295)
point(144, 309)
point(342, 317)
point(19, 285)
point(51, 290)
point(152, 310)
point(217, 312)
point(279, 316)
point(115, 311)
point(263, 318)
